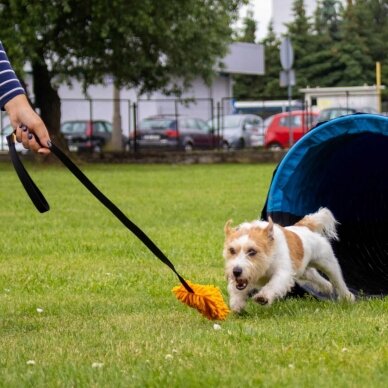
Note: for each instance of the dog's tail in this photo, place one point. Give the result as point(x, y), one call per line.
point(322, 222)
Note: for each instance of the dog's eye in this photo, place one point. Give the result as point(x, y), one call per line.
point(251, 252)
point(232, 251)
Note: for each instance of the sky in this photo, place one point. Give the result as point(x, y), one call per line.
point(262, 10)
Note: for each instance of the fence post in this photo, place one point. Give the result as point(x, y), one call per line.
point(177, 123)
point(214, 134)
point(218, 119)
point(134, 110)
point(91, 120)
point(129, 125)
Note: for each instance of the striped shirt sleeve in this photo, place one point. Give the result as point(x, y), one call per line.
point(9, 84)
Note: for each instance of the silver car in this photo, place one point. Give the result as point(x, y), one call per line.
point(239, 131)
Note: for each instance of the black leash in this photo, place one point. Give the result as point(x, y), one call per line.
point(42, 205)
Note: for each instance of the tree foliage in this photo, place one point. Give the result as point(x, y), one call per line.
point(338, 46)
point(247, 86)
point(147, 44)
point(245, 83)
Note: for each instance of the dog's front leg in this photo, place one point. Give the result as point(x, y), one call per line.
point(237, 298)
point(280, 283)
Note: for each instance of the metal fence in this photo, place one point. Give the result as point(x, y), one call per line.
point(133, 112)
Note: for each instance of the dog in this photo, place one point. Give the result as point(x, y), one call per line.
point(264, 260)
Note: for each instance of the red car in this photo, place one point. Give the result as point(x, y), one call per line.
point(277, 127)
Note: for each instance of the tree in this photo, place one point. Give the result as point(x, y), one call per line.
point(148, 44)
point(322, 60)
point(263, 86)
point(245, 86)
point(354, 63)
point(372, 17)
point(273, 67)
point(328, 19)
point(300, 31)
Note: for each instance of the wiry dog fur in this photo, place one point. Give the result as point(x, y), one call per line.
point(269, 258)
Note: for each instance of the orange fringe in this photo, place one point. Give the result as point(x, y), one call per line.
point(206, 299)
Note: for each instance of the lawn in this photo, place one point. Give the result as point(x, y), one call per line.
point(83, 303)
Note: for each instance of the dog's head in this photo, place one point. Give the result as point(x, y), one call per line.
point(247, 252)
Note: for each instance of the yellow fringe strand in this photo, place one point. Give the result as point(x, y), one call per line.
point(207, 300)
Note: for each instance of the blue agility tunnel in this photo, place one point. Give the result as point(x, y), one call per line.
point(341, 164)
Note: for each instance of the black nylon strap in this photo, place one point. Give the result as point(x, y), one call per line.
point(42, 205)
point(32, 189)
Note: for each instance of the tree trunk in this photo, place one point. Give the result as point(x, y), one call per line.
point(116, 143)
point(48, 101)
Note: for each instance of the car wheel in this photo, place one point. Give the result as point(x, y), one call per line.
point(188, 147)
point(275, 147)
point(241, 144)
point(225, 146)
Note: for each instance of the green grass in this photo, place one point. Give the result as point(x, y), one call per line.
point(107, 300)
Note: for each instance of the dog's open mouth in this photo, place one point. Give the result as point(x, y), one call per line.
point(241, 284)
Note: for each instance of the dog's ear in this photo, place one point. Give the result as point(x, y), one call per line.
point(228, 228)
point(269, 229)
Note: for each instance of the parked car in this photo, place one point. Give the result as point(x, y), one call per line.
point(241, 130)
point(86, 135)
point(172, 132)
point(277, 127)
point(7, 130)
point(332, 113)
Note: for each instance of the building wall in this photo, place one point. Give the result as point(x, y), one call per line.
point(74, 105)
point(363, 98)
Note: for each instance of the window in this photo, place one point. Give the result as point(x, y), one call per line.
point(108, 127)
point(73, 127)
point(202, 125)
point(98, 127)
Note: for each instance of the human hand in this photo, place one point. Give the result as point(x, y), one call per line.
point(27, 123)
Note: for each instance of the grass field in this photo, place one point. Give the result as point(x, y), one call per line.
point(84, 304)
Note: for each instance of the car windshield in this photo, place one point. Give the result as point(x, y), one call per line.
point(230, 121)
point(268, 121)
point(73, 127)
point(156, 124)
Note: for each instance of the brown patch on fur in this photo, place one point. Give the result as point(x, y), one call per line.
point(295, 246)
point(261, 239)
point(308, 223)
point(233, 233)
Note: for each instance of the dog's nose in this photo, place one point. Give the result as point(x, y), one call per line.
point(237, 271)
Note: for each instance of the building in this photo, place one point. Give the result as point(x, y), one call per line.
point(200, 100)
point(364, 98)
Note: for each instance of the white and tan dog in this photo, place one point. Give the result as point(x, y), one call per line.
point(269, 258)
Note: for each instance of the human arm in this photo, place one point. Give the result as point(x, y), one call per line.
point(23, 118)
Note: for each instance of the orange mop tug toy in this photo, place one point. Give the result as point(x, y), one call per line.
point(206, 299)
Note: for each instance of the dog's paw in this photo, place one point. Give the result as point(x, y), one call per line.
point(237, 306)
point(349, 297)
point(261, 300)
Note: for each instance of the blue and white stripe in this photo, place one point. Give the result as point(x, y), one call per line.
point(9, 84)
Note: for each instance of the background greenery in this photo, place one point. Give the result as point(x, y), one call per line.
point(338, 46)
point(83, 303)
point(147, 45)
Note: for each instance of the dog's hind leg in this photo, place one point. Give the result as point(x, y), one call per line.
point(328, 264)
point(312, 278)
